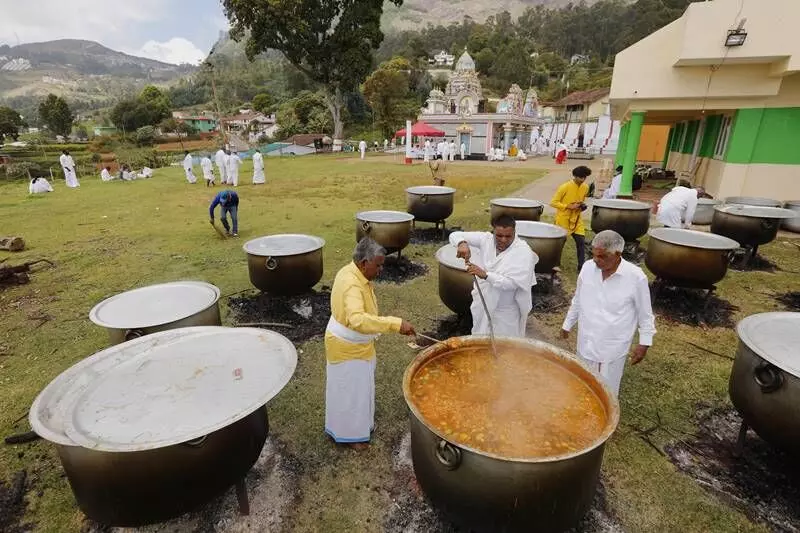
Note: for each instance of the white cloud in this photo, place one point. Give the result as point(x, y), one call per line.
point(176, 51)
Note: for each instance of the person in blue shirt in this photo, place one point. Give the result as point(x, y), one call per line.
point(229, 203)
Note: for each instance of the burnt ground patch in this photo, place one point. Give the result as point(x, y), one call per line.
point(298, 318)
point(690, 307)
point(451, 326)
point(759, 263)
point(400, 269)
point(762, 481)
point(432, 235)
point(13, 504)
point(548, 295)
point(791, 300)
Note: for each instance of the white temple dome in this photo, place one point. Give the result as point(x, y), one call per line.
point(465, 62)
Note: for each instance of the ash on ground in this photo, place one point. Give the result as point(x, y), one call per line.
point(759, 263)
point(272, 486)
point(452, 326)
point(548, 295)
point(400, 269)
point(791, 300)
point(689, 306)
point(432, 235)
point(410, 511)
point(298, 318)
point(762, 482)
point(13, 504)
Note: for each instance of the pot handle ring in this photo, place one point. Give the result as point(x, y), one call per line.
point(133, 334)
point(448, 455)
point(365, 227)
point(271, 263)
point(424, 198)
point(768, 377)
point(196, 443)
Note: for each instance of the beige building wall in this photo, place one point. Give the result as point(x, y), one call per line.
point(597, 109)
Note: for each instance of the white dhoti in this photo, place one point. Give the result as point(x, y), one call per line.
point(223, 175)
point(208, 175)
point(350, 400)
point(610, 372)
point(505, 320)
point(258, 176)
point(71, 178)
point(670, 215)
point(190, 175)
point(233, 177)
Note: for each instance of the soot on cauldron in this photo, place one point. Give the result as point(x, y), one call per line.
point(305, 316)
point(761, 481)
point(400, 269)
point(791, 300)
point(741, 262)
point(411, 511)
point(693, 307)
point(432, 235)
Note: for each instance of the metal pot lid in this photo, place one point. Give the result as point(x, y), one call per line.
point(53, 405)
point(283, 245)
point(755, 211)
point(539, 230)
point(792, 204)
point(516, 202)
point(627, 205)
point(178, 391)
point(446, 255)
point(752, 200)
point(774, 337)
point(708, 201)
point(154, 305)
point(694, 239)
point(389, 217)
point(430, 190)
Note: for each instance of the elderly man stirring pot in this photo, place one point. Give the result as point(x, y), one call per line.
point(350, 346)
point(612, 298)
point(504, 267)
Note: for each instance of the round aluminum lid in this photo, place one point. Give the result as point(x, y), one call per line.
point(516, 202)
point(182, 390)
point(390, 217)
point(154, 305)
point(708, 201)
point(283, 245)
point(792, 204)
point(775, 338)
point(539, 230)
point(446, 255)
point(430, 189)
point(756, 212)
point(694, 239)
point(630, 205)
point(752, 200)
point(54, 404)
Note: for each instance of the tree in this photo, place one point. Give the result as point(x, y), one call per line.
point(264, 103)
point(148, 109)
point(81, 133)
point(56, 115)
point(145, 135)
point(157, 103)
point(331, 42)
point(178, 127)
point(10, 123)
point(388, 93)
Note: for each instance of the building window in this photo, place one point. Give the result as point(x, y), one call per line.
point(723, 137)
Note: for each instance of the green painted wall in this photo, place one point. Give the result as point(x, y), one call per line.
point(709, 142)
point(676, 139)
point(667, 149)
point(765, 136)
point(744, 133)
point(691, 135)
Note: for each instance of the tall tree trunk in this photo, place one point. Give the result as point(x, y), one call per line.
point(335, 101)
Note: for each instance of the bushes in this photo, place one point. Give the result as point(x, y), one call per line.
point(21, 169)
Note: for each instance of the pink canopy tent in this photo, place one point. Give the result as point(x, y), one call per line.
point(421, 129)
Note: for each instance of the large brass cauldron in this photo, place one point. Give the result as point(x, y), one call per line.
point(752, 200)
point(546, 241)
point(704, 213)
point(485, 492)
point(765, 380)
point(749, 225)
point(285, 264)
point(516, 208)
point(390, 229)
point(689, 258)
point(455, 285)
point(792, 224)
point(430, 203)
point(628, 218)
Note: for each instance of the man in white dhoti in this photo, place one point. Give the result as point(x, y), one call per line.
point(350, 346)
point(451, 151)
point(221, 159)
point(146, 173)
point(463, 150)
point(611, 300)
point(362, 147)
point(444, 148)
point(504, 265)
point(499, 155)
point(233, 163)
point(258, 168)
point(428, 154)
point(188, 161)
point(522, 156)
point(385, 144)
point(39, 185)
point(68, 165)
point(105, 174)
point(208, 171)
point(678, 206)
point(613, 189)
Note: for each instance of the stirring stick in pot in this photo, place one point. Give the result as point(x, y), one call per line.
point(488, 317)
point(428, 338)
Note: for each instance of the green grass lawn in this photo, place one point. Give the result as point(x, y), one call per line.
point(107, 238)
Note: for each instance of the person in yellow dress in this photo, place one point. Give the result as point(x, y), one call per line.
point(568, 201)
point(350, 346)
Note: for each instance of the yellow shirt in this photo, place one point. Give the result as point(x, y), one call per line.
point(354, 306)
point(568, 193)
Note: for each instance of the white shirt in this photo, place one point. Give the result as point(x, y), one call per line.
point(187, 162)
point(39, 186)
point(66, 161)
point(362, 146)
point(613, 189)
point(608, 312)
point(221, 158)
point(233, 162)
point(258, 161)
point(206, 165)
point(679, 204)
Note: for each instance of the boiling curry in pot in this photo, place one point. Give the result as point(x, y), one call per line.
point(519, 405)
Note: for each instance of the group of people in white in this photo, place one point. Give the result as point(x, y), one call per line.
point(444, 150)
point(228, 164)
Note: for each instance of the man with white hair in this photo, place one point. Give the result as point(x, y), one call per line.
point(504, 267)
point(611, 300)
point(678, 206)
point(350, 346)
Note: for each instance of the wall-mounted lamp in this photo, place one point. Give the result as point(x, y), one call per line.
point(736, 37)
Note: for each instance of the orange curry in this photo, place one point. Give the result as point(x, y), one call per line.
point(519, 406)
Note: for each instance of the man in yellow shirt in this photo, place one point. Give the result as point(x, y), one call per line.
point(350, 346)
point(569, 204)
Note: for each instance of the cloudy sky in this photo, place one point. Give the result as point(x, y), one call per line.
point(174, 31)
